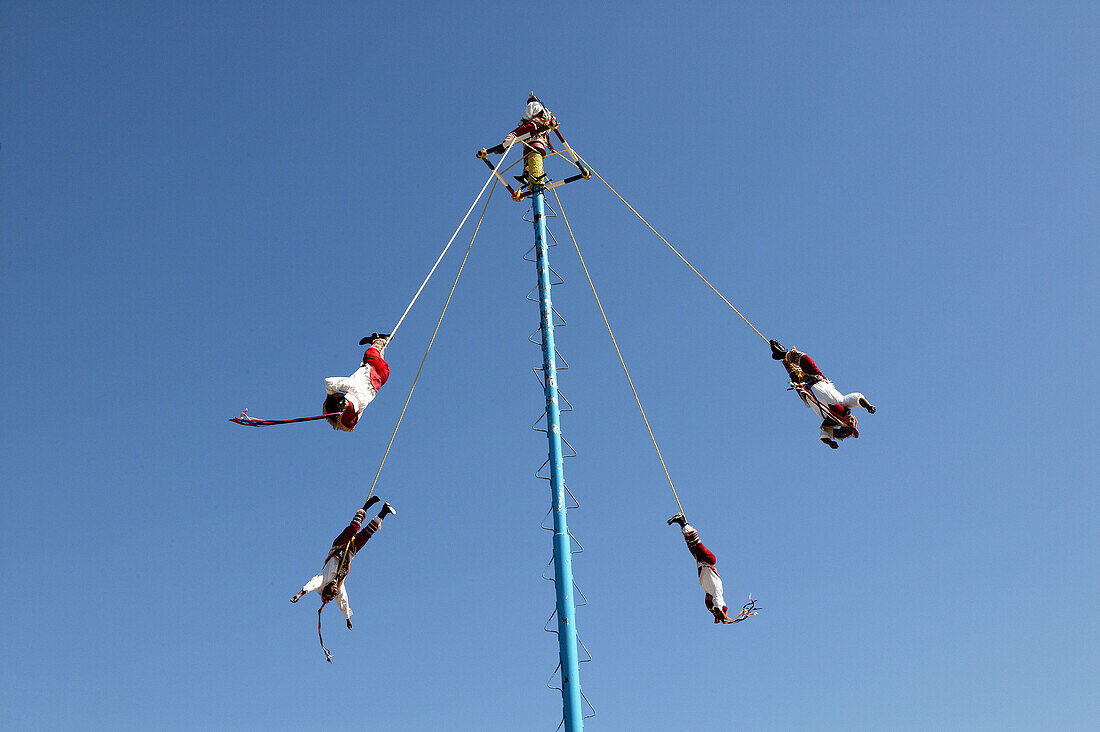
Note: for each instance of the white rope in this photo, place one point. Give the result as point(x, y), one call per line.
point(453, 237)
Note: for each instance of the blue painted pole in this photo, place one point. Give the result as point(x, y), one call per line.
point(563, 558)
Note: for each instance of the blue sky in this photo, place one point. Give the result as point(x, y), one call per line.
point(204, 206)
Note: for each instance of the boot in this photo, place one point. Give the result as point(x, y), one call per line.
point(370, 502)
point(386, 509)
point(678, 519)
point(778, 351)
point(867, 405)
point(830, 443)
point(298, 597)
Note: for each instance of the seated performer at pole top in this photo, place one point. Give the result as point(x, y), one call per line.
point(329, 584)
point(821, 395)
point(708, 575)
point(535, 116)
point(348, 396)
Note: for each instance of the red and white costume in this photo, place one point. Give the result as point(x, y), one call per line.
point(358, 537)
point(804, 371)
point(534, 116)
point(709, 578)
point(360, 388)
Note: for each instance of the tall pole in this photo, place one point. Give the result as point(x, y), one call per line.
point(563, 561)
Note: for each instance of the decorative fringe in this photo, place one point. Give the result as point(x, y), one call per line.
point(247, 421)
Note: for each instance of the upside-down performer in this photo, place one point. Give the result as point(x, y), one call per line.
point(709, 579)
point(821, 395)
point(329, 584)
point(348, 396)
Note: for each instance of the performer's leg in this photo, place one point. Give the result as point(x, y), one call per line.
point(855, 399)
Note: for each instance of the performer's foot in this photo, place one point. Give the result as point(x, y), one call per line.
point(778, 351)
point(374, 337)
point(867, 405)
point(298, 597)
point(678, 519)
point(386, 509)
point(370, 502)
point(830, 443)
point(350, 626)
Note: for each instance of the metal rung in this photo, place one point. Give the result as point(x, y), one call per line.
point(575, 501)
point(571, 448)
point(527, 257)
point(584, 716)
point(582, 603)
point(585, 649)
point(552, 675)
point(552, 215)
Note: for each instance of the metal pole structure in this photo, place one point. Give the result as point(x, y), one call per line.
point(563, 569)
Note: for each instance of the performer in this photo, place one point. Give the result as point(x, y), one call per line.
point(349, 396)
point(708, 575)
point(329, 584)
point(821, 395)
point(535, 117)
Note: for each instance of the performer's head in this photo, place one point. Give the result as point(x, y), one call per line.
point(843, 432)
point(380, 345)
point(534, 109)
point(328, 592)
point(334, 405)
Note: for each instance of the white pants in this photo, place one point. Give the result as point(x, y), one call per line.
point(712, 585)
point(328, 574)
point(827, 393)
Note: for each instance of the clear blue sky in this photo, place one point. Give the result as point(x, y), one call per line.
point(203, 207)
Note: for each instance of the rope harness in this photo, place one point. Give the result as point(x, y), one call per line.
point(826, 410)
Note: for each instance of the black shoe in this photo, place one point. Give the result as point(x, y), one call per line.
point(370, 502)
point(386, 509)
point(372, 337)
point(778, 351)
point(830, 443)
point(678, 519)
point(867, 405)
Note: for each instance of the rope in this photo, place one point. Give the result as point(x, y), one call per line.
point(328, 656)
point(438, 323)
point(675, 251)
point(617, 351)
point(491, 177)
